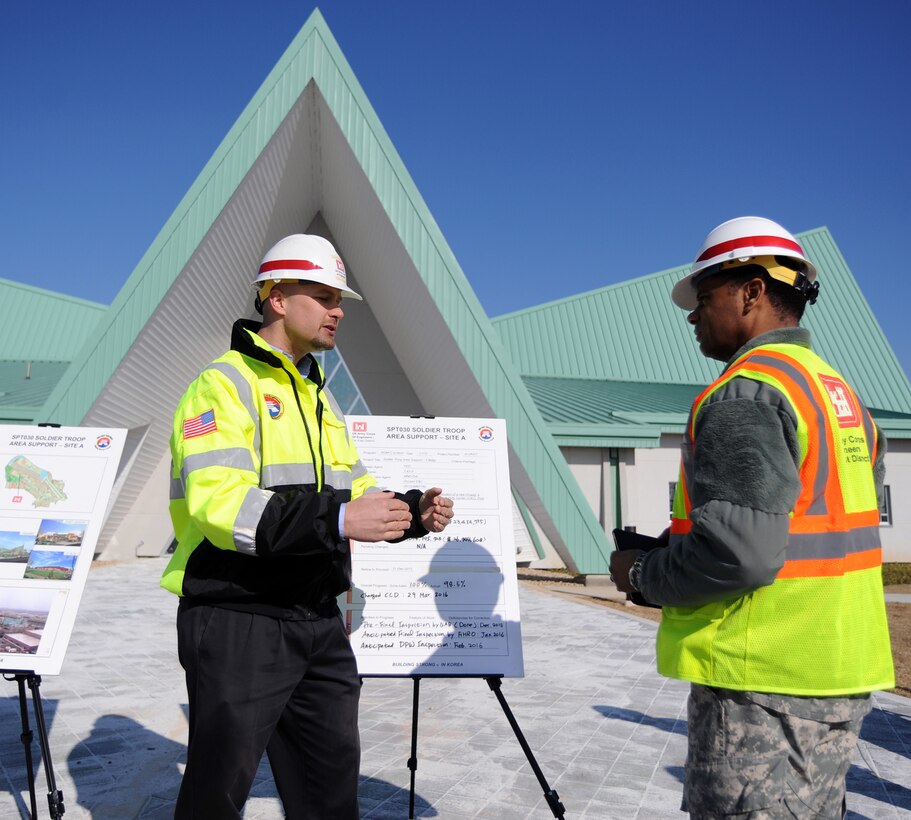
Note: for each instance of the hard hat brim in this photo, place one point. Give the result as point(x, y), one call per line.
point(684, 293)
point(261, 285)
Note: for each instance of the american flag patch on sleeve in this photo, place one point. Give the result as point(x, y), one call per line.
point(200, 425)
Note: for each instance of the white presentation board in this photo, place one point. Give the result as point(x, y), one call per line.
point(447, 603)
point(56, 485)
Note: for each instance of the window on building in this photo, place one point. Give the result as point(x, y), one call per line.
point(885, 510)
point(341, 383)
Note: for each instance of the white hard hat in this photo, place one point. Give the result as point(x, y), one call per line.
point(302, 258)
point(742, 240)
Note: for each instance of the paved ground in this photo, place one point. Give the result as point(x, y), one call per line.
point(606, 730)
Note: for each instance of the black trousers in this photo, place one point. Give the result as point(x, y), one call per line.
point(257, 684)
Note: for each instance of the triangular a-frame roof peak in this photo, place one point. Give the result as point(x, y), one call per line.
point(309, 154)
point(673, 273)
point(632, 332)
point(587, 295)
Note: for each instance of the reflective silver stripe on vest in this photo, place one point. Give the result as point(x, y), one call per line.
point(327, 394)
point(358, 470)
point(818, 505)
point(339, 479)
point(237, 458)
point(288, 475)
point(805, 545)
point(248, 516)
point(244, 393)
point(175, 491)
point(813, 545)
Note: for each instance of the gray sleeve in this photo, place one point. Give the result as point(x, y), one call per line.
point(745, 483)
point(879, 466)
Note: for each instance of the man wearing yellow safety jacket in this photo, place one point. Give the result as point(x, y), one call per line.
point(770, 575)
point(266, 491)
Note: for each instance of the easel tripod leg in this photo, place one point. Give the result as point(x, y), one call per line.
point(550, 795)
point(413, 760)
point(26, 738)
point(54, 795)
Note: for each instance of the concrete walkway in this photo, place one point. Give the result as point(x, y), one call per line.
point(606, 730)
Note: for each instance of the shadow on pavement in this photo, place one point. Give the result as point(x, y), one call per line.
point(632, 716)
point(882, 728)
point(12, 750)
point(123, 770)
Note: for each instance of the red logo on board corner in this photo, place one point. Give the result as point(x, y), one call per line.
point(485, 434)
point(103, 442)
point(359, 426)
point(843, 402)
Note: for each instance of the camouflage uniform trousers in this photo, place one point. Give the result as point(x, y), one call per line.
point(755, 756)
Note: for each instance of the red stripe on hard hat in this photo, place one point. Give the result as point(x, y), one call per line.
point(288, 264)
point(745, 241)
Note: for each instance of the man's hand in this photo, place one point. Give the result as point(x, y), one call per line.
point(376, 517)
point(620, 563)
point(436, 510)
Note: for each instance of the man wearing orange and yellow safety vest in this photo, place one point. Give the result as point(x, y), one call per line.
point(771, 577)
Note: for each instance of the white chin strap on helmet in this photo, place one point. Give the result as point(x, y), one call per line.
point(301, 258)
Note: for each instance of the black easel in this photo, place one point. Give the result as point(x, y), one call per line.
point(54, 795)
point(493, 681)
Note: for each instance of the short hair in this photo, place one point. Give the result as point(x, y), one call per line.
point(786, 300)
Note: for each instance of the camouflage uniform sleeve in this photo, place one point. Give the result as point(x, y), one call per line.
point(745, 483)
point(879, 465)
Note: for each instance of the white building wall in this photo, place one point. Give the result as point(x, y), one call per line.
point(646, 487)
point(896, 537)
point(145, 530)
point(551, 559)
point(586, 465)
point(647, 473)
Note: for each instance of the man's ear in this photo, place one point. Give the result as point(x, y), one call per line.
point(276, 299)
point(752, 291)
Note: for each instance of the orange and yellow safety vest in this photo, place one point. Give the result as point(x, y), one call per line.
point(820, 628)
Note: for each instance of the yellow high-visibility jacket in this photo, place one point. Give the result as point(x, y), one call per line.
point(819, 628)
point(261, 462)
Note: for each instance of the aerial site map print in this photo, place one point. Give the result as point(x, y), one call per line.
point(56, 486)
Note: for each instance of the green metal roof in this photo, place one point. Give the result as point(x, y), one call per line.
point(633, 332)
point(39, 334)
point(602, 413)
point(24, 387)
point(314, 59)
point(594, 401)
point(40, 325)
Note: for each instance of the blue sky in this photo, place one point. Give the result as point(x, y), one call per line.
point(11, 540)
point(561, 147)
point(62, 525)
